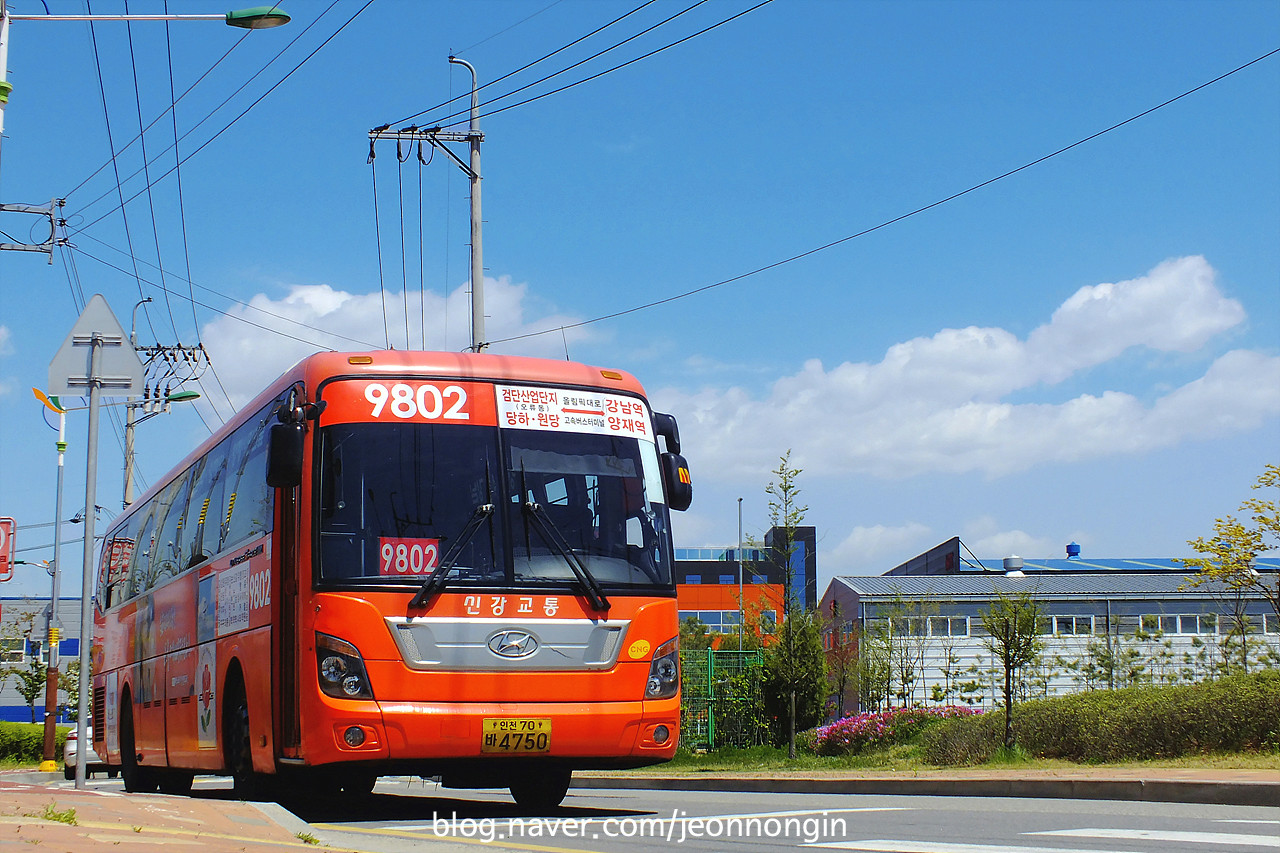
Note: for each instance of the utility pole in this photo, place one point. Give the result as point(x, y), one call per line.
point(167, 368)
point(49, 210)
point(435, 137)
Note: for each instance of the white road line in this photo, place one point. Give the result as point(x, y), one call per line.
point(899, 846)
point(1170, 835)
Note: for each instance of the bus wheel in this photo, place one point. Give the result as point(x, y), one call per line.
point(176, 782)
point(238, 747)
point(358, 783)
point(137, 780)
point(541, 790)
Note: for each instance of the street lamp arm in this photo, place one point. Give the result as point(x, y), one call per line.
point(256, 18)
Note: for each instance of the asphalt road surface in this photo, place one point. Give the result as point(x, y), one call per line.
point(412, 815)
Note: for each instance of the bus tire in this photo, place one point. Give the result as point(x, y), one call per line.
point(541, 790)
point(137, 779)
point(237, 741)
point(177, 782)
point(358, 783)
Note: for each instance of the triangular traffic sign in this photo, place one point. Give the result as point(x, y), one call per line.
point(120, 373)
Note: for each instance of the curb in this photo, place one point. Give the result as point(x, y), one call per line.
point(1148, 790)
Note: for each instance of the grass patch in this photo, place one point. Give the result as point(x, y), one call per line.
point(51, 812)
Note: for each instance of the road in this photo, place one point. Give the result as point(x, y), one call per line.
point(412, 815)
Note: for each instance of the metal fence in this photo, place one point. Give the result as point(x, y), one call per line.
point(722, 699)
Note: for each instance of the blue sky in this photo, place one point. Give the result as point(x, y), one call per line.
point(1087, 350)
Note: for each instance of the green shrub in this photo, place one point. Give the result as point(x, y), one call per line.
point(1235, 714)
point(24, 742)
point(807, 741)
point(963, 740)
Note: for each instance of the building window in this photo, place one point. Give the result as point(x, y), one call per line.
point(693, 579)
point(907, 626)
point(759, 579)
point(12, 649)
point(948, 626)
point(1186, 624)
point(728, 579)
point(1066, 625)
point(1271, 623)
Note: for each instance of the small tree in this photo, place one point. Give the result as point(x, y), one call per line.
point(32, 681)
point(842, 659)
point(1230, 552)
point(694, 635)
point(795, 678)
point(69, 684)
point(1012, 621)
point(791, 661)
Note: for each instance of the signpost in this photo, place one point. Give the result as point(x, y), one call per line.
point(96, 359)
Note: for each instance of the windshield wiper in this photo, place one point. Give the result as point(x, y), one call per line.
point(549, 531)
point(436, 580)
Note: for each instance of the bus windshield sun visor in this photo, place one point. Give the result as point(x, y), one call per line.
point(547, 528)
point(436, 580)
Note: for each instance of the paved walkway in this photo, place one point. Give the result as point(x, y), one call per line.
point(34, 817)
point(37, 813)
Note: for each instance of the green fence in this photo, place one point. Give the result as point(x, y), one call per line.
point(722, 703)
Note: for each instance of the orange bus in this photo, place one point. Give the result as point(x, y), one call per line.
point(438, 564)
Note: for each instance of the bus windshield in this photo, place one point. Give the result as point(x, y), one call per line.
point(499, 506)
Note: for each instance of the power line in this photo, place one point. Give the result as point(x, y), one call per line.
point(240, 319)
point(242, 114)
point(896, 219)
point(606, 71)
point(524, 67)
point(510, 28)
point(124, 215)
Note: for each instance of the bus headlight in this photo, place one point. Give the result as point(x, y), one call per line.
point(341, 669)
point(664, 672)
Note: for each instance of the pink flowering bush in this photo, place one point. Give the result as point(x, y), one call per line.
point(854, 734)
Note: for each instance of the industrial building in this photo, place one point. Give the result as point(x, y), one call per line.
point(1104, 623)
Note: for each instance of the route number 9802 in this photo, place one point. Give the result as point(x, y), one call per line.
point(425, 401)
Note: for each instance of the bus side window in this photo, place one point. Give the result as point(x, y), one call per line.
point(205, 507)
point(251, 502)
point(166, 557)
point(114, 574)
point(140, 564)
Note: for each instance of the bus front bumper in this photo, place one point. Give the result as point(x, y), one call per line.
point(589, 734)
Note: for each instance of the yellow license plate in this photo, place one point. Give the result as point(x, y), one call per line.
point(515, 736)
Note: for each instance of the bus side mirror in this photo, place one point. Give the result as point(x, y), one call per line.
point(675, 477)
point(284, 455)
point(665, 426)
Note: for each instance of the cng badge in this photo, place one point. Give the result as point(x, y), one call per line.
point(638, 649)
point(513, 643)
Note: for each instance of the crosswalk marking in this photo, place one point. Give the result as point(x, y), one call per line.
point(1169, 835)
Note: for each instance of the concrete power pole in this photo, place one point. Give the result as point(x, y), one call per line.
point(435, 137)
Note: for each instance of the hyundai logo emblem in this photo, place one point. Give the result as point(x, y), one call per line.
point(513, 643)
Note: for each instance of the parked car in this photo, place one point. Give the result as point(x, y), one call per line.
point(92, 762)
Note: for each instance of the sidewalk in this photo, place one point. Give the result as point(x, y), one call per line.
point(64, 820)
point(1170, 785)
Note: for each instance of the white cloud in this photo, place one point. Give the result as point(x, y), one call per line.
point(310, 318)
point(983, 537)
point(939, 404)
point(873, 549)
point(6, 341)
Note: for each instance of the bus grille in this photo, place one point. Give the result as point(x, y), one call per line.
point(507, 645)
